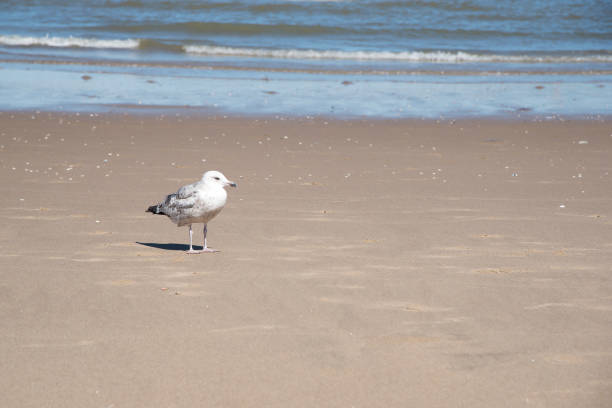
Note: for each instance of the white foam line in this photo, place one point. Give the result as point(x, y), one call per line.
point(413, 56)
point(409, 56)
point(16, 40)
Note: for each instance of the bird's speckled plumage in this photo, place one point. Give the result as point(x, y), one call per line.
point(196, 203)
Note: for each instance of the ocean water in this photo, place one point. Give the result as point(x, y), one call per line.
point(380, 58)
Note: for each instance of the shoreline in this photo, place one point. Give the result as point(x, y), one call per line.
point(255, 93)
point(201, 114)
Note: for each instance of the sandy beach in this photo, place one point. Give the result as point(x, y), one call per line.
point(374, 263)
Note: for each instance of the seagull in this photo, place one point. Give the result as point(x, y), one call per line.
point(196, 203)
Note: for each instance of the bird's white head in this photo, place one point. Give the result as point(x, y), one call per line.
point(214, 177)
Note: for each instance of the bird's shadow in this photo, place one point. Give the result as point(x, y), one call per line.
point(169, 247)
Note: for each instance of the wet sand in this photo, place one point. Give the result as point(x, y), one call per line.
point(363, 263)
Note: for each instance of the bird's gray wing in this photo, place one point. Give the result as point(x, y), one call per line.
point(186, 191)
point(179, 203)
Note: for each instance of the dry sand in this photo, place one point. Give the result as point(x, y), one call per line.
point(363, 263)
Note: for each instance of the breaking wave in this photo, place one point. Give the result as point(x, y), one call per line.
point(447, 57)
point(408, 56)
point(67, 42)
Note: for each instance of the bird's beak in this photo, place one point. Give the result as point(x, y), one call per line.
point(231, 184)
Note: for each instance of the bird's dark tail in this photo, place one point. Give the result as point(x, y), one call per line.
point(155, 210)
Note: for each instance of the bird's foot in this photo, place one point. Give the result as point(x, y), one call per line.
point(193, 251)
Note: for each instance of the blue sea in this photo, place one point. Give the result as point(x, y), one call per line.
point(370, 58)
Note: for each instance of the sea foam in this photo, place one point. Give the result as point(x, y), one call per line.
point(66, 42)
point(446, 57)
point(409, 56)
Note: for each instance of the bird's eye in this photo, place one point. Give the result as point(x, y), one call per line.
point(216, 178)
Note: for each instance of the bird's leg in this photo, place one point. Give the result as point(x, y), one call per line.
point(205, 231)
point(206, 248)
point(191, 251)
